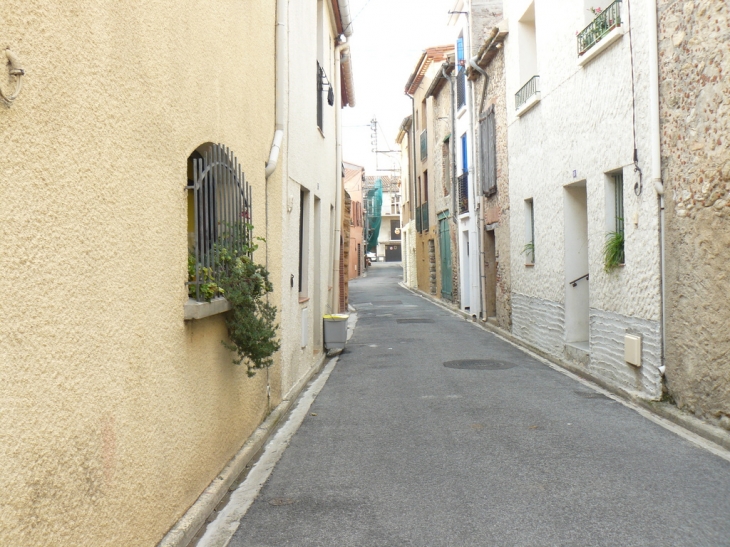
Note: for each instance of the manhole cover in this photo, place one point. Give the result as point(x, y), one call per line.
point(478, 364)
point(414, 320)
point(281, 501)
point(590, 395)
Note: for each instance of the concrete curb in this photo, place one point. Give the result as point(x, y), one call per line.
point(184, 530)
point(667, 411)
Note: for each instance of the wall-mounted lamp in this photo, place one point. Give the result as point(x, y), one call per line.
point(16, 70)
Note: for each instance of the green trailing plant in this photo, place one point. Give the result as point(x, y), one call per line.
point(613, 251)
point(251, 321)
point(529, 251)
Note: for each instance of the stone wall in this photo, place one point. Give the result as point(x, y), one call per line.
point(694, 64)
point(496, 208)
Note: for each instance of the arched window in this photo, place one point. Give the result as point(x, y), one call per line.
point(219, 213)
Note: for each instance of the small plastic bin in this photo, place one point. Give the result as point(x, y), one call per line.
point(335, 331)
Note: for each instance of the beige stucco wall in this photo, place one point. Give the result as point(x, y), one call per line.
point(115, 412)
point(694, 64)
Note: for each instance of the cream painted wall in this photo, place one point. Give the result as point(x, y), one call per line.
point(309, 161)
point(116, 413)
point(583, 125)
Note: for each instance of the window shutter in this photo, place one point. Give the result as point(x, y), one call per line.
point(488, 141)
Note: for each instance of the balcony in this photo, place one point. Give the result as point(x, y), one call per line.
point(602, 25)
point(463, 194)
point(424, 145)
point(528, 95)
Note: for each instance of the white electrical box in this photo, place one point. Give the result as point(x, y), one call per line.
point(632, 349)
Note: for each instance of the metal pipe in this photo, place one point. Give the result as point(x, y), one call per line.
point(656, 159)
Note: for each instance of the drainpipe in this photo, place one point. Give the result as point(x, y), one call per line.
point(282, 63)
point(480, 218)
point(476, 285)
point(452, 146)
point(656, 159)
point(341, 49)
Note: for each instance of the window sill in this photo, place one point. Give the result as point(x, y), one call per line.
point(199, 310)
point(303, 299)
point(601, 45)
point(460, 112)
point(529, 264)
point(529, 104)
point(320, 131)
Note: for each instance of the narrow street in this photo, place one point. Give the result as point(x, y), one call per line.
point(399, 449)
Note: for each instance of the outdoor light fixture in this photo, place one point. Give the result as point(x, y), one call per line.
point(16, 70)
point(330, 92)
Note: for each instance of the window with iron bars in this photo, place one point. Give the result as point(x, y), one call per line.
point(219, 214)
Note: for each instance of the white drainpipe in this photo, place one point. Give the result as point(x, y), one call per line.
point(656, 158)
point(282, 65)
point(339, 50)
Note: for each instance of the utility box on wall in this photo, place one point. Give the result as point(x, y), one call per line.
point(632, 349)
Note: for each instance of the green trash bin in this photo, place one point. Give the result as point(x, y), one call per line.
point(335, 331)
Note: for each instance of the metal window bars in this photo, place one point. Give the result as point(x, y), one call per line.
point(526, 91)
point(463, 193)
point(221, 200)
point(461, 88)
point(605, 22)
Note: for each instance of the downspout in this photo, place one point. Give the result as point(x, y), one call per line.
point(414, 186)
point(480, 218)
point(476, 285)
point(281, 62)
point(339, 49)
point(656, 159)
point(452, 146)
point(281, 81)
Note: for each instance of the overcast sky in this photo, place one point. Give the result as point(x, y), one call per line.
point(388, 39)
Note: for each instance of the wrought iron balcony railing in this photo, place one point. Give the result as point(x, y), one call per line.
point(424, 145)
point(605, 22)
point(463, 194)
point(526, 91)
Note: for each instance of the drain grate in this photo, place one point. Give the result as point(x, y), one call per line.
point(414, 320)
point(479, 364)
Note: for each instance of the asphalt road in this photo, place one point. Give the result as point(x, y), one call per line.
point(406, 451)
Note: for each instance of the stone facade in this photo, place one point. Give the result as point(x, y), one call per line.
point(496, 207)
point(694, 64)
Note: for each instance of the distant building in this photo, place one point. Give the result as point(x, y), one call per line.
point(388, 247)
point(354, 175)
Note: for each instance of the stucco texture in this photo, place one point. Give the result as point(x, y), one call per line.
point(694, 63)
point(581, 131)
point(115, 412)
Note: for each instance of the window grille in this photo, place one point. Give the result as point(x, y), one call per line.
point(320, 89)
point(618, 180)
point(488, 142)
point(220, 199)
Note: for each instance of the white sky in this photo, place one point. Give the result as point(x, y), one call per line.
point(387, 41)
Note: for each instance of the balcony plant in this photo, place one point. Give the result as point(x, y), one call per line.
point(613, 251)
point(529, 251)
